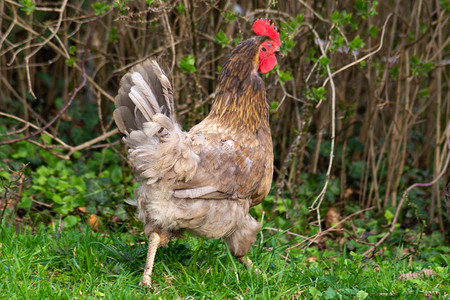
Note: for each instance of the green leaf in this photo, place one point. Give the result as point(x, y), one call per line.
point(21, 153)
point(237, 39)
point(99, 294)
point(419, 68)
point(361, 295)
point(373, 31)
point(284, 76)
point(423, 93)
point(341, 19)
point(356, 256)
point(5, 175)
point(366, 8)
point(116, 174)
point(287, 45)
point(324, 61)
point(336, 17)
point(388, 216)
point(28, 6)
point(356, 44)
point(337, 42)
point(222, 39)
point(229, 16)
point(57, 199)
point(316, 94)
point(113, 35)
point(78, 134)
point(181, 9)
point(121, 212)
point(72, 50)
point(70, 221)
point(273, 106)
point(96, 190)
point(100, 8)
point(41, 180)
point(43, 170)
point(25, 202)
point(314, 292)
point(394, 71)
point(330, 293)
point(187, 64)
point(121, 5)
point(76, 154)
point(70, 61)
point(46, 138)
point(429, 66)
point(372, 239)
point(293, 24)
point(445, 4)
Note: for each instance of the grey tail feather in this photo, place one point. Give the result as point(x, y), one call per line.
point(131, 202)
point(144, 91)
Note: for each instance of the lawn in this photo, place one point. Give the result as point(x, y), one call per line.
point(80, 264)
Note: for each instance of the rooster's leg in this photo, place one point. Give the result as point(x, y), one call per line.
point(245, 261)
point(153, 243)
point(248, 264)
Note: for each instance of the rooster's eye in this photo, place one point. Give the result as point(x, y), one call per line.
point(263, 49)
point(269, 45)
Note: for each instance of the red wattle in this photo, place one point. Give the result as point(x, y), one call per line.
point(267, 64)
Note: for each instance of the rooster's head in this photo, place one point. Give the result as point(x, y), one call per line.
point(269, 48)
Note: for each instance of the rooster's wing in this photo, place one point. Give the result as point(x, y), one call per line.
point(227, 168)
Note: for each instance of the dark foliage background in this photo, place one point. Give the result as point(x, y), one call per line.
point(382, 117)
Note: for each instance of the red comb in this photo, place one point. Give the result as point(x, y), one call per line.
point(263, 27)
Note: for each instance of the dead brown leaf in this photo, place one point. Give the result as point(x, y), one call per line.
point(93, 222)
point(425, 273)
point(332, 218)
point(312, 259)
point(348, 192)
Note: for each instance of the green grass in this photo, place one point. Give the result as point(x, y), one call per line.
point(79, 264)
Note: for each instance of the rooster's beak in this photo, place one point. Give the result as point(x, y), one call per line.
point(279, 53)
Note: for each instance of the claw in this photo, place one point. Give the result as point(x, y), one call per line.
point(248, 264)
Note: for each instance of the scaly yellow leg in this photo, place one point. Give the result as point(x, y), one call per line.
point(153, 244)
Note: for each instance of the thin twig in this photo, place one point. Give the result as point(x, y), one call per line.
point(172, 41)
point(92, 142)
point(285, 231)
point(318, 201)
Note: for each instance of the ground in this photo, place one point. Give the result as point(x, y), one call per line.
point(80, 264)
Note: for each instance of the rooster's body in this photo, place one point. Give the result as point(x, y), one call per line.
point(203, 181)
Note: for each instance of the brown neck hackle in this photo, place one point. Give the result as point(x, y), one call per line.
point(240, 97)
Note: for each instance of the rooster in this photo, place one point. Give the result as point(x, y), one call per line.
point(205, 180)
